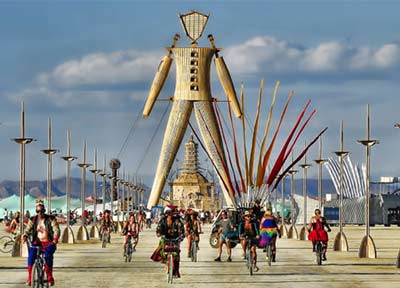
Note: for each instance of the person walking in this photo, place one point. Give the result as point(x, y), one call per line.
point(226, 227)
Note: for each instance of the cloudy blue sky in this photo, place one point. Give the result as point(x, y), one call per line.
point(89, 66)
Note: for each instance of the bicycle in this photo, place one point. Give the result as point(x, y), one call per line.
point(318, 252)
point(194, 247)
point(6, 243)
point(249, 256)
point(105, 237)
point(129, 249)
point(171, 249)
point(268, 250)
point(39, 275)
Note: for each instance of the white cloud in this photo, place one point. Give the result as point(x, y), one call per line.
point(84, 81)
point(386, 56)
point(95, 78)
point(103, 69)
point(265, 53)
point(324, 57)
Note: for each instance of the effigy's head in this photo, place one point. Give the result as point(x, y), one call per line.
point(193, 24)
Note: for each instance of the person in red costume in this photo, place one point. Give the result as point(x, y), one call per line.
point(44, 232)
point(316, 231)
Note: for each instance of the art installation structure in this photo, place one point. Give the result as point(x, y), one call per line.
point(22, 250)
point(367, 246)
point(192, 92)
point(353, 177)
point(320, 162)
point(68, 234)
point(83, 233)
point(50, 151)
point(292, 233)
point(341, 243)
point(94, 230)
point(304, 230)
point(241, 187)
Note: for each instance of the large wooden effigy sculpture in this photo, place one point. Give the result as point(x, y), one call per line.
point(192, 92)
point(241, 187)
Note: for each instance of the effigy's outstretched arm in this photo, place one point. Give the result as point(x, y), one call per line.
point(159, 80)
point(226, 80)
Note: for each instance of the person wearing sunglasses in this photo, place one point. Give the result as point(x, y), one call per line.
point(44, 232)
point(248, 231)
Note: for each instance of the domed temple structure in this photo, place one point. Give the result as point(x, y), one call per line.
point(191, 189)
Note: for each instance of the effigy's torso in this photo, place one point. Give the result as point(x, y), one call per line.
point(193, 73)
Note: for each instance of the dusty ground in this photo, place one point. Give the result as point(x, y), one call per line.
point(86, 264)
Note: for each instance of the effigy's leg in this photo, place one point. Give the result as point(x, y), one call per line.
point(210, 133)
point(175, 130)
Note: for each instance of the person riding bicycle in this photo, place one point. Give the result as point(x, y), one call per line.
point(193, 227)
point(248, 231)
point(107, 224)
point(257, 210)
point(316, 232)
point(13, 228)
point(269, 231)
point(130, 229)
point(170, 227)
point(45, 233)
point(148, 218)
point(140, 217)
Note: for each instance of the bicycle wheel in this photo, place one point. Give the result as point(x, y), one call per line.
point(249, 256)
point(104, 241)
point(170, 268)
point(44, 281)
point(36, 276)
point(269, 254)
point(129, 252)
point(251, 265)
point(318, 253)
point(6, 244)
point(192, 251)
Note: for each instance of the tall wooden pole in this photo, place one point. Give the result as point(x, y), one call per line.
point(367, 247)
point(341, 243)
point(50, 151)
point(68, 159)
point(22, 141)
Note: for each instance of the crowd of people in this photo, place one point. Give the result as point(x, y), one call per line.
point(256, 226)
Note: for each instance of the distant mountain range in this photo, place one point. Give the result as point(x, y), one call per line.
point(39, 188)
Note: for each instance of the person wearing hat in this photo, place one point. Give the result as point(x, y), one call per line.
point(248, 231)
point(269, 231)
point(193, 229)
point(169, 227)
point(45, 232)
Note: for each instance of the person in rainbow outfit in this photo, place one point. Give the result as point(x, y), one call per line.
point(269, 231)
